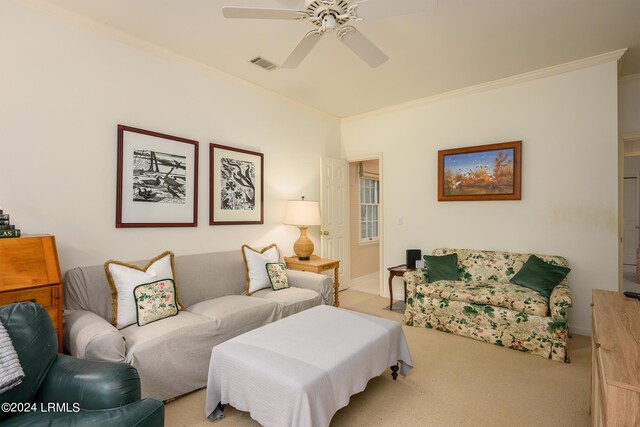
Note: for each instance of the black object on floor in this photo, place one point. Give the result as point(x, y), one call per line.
point(632, 294)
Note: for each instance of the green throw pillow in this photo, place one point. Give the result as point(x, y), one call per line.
point(540, 276)
point(443, 267)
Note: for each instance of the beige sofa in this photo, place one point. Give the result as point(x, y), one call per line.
point(172, 355)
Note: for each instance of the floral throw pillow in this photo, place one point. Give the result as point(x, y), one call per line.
point(155, 301)
point(123, 278)
point(277, 275)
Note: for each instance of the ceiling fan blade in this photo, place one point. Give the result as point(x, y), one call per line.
point(291, 3)
point(302, 49)
point(381, 9)
point(362, 46)
point(258, 13)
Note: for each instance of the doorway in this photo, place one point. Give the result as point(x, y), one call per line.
point(365, 225)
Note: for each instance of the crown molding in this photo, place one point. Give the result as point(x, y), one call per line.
point(621, 60)
point(140, 44)
point(579, 64)
point(629, 78)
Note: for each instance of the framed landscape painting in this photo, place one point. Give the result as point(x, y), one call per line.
point(236, 186)
point(483, 172)
point(157, 180)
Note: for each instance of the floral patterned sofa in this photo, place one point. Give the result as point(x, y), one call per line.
point(483, 305)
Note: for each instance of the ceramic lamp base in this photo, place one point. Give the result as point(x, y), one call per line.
point(303, 247)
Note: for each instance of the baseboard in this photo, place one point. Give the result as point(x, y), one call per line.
point(580, 331)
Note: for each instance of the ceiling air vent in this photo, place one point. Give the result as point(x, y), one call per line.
point(264, 63)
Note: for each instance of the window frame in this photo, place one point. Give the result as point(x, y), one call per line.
point(373, 192)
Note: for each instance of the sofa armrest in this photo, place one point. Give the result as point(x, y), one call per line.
point(320, 283)
point(89, 336)
point(91, 384)
point(413, 279)
point(559, 302)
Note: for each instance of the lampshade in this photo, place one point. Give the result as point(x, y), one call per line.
point(302, 213)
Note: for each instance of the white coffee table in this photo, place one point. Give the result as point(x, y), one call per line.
point(300, 370)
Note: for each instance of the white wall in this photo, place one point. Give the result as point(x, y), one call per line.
point(65, 88)
point(629, 104)
point(568, 125)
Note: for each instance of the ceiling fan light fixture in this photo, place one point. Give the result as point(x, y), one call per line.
point(330, 22)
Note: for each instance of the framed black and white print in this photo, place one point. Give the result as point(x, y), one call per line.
point(235, 186)
point(157, 183)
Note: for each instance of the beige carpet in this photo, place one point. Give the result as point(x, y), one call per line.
point(456, 381)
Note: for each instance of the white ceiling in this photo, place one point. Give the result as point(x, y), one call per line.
point(454, 44)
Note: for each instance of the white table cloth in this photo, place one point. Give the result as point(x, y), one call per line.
point(300, 370)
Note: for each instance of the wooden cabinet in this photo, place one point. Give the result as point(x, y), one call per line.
point(615, 368)
point(29, 271)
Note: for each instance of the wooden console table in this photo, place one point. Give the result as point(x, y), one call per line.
point(29, 271)
point(615, 351)
point(397, 271)
point(318, 265)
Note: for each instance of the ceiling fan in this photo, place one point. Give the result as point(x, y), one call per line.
point(333, 16)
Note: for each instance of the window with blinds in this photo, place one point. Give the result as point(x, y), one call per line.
point(369, 206)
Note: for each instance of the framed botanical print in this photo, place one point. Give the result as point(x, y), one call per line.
point(482, 172)
point(236, 186)
point(157, 180)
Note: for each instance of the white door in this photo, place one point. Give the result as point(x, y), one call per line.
point(334, 198)
point(630, 230)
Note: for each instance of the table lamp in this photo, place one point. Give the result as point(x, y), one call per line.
point(303, 213)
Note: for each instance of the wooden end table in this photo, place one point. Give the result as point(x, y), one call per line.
point(397, 271)
point(318, 265)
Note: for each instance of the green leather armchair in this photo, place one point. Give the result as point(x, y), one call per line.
point(60, 390)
